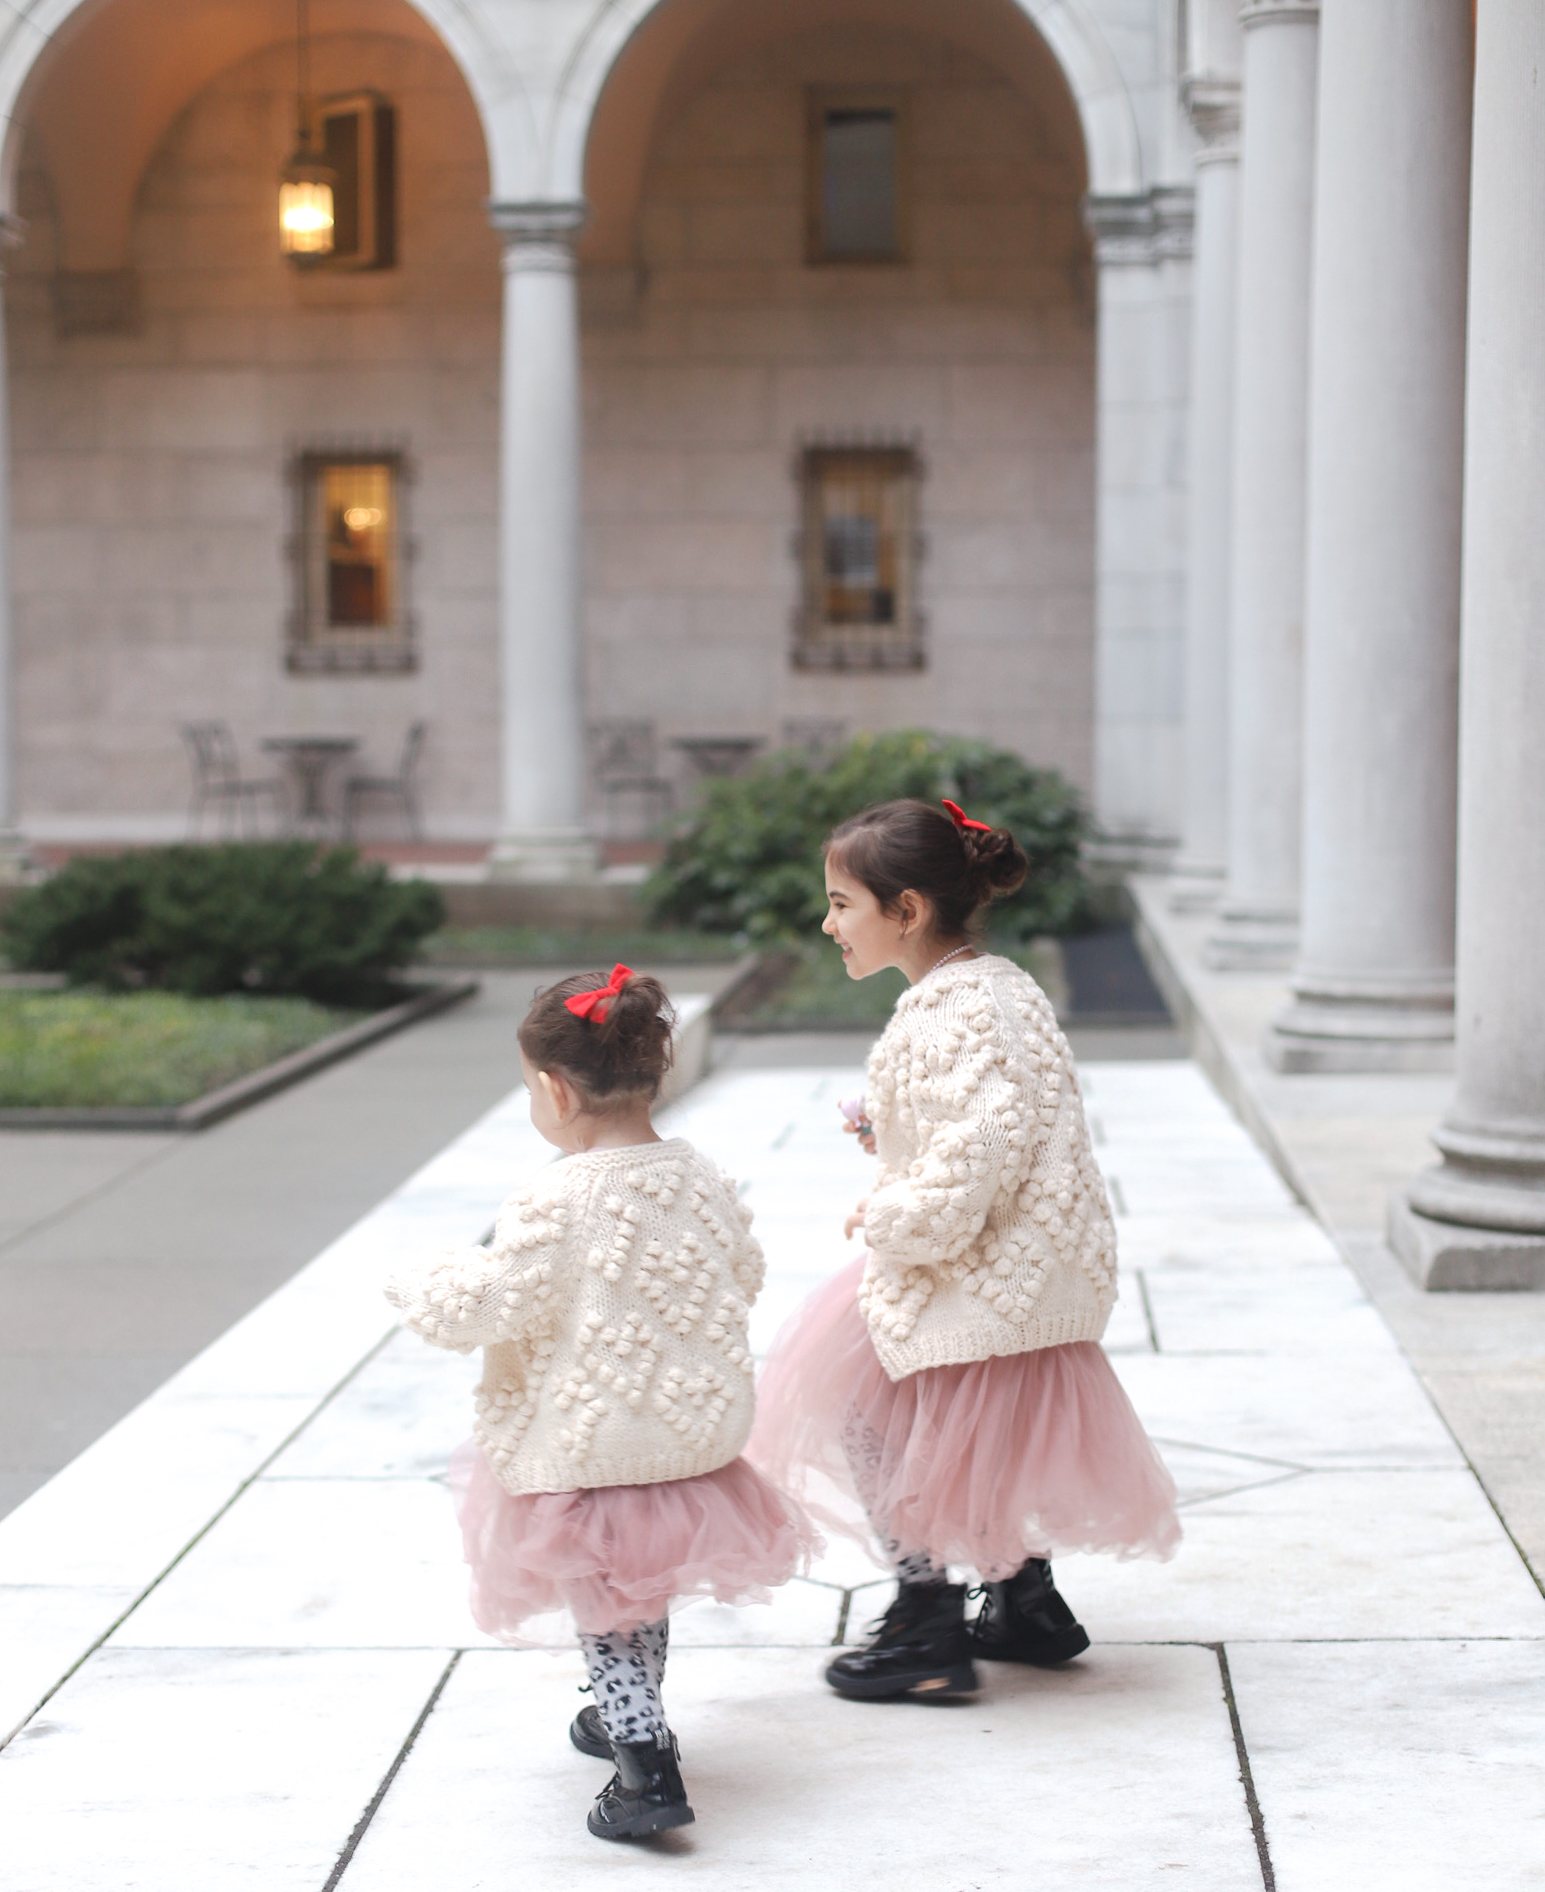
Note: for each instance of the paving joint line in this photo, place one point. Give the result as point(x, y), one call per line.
point(1246, 1777)
point(45, 1222)
point(362, 1824)
point(1142, 1295)
point(198, 1537)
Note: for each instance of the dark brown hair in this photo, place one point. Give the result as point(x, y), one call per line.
point(612, 1060)
point(910, 846)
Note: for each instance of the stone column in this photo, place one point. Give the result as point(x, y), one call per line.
point(1203, 859)
point(13, 853)
point(1375, 976)
point(1257, 919)
point(1142, 252)
point(1478, 1220)
point(542, 831)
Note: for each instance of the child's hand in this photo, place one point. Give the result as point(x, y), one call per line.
point(856, 1122)
point(855, 1221)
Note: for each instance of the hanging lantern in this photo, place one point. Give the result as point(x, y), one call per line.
point(305, 183)
point(306, 205)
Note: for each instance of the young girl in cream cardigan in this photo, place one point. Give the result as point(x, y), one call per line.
point(951, 1380)
point(611, 1304)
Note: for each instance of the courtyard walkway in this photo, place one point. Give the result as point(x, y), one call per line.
point(233, 1635)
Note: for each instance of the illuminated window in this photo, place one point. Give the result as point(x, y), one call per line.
point(350, 611)
point(859, 552)
point(855, 196)
point(357, 137)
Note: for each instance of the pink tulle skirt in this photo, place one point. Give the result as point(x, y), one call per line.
point(984, 1465)
point(621, 1555)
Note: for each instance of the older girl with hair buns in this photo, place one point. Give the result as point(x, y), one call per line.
point(604, 1479)
point(951, 1380)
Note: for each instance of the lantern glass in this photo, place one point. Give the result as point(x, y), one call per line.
point(306, 212)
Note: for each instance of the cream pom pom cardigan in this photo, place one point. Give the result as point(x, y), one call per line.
point(989, 1229)
point(612, 1302)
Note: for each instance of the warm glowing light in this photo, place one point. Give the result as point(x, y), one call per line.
point(361, 518)
point(306, 211)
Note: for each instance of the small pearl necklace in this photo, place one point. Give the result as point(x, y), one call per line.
point(954, 953)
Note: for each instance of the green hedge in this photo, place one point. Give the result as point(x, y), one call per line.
point(750, 861)
point(279, 917)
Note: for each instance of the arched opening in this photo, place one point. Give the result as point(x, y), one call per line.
point(173, 379)
point(722, 359)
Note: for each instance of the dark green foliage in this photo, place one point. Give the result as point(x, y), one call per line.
point(750, 862)
point(265, 917)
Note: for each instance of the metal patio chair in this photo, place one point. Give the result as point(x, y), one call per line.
point(401, 787)
point(218, 783)
point(624, 765)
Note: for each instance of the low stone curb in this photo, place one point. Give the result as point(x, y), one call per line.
point(215, 1105)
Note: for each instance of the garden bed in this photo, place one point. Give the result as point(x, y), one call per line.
point(154, 1060)
point(579, 947)
point(808, 989)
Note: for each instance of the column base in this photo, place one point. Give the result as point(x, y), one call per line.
point(545, 855)
point(1320, 1034)
point(1448, 1257)
point(15, 861)
point(1198, 885)
point(1250, 942)
point(1131, 853)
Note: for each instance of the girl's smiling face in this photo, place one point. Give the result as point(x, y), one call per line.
point(871, 939)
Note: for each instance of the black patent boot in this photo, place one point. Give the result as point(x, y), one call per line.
point(645, 1795)
point(1025, 1620)
point(588, 1733)
point(920, 1647)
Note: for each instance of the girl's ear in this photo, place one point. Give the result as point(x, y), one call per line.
point(912, 911)
point(557, 1094)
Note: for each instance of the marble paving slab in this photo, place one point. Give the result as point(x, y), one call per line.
point(1280, 1311)
point(1326, 1409)
point(46, 1631)
point(796, 1789)
point(170, 1771)
point(293, 1479)
point(1329, 1555)
point(1398, 1766)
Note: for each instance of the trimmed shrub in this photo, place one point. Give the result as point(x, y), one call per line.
point(262, 917)
point(750, 860)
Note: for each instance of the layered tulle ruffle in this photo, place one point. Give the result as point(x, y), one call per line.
point(982, 1465)
point(621, 1555)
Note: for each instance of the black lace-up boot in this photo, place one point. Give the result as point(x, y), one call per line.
point(645, 1795)
point(919, 1647)
point(588, 1733)
point(1025, 1620)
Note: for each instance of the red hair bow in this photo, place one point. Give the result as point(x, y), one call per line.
point(962, 820)
point(598, 1003)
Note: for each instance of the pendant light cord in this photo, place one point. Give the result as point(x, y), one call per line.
point(302, 74)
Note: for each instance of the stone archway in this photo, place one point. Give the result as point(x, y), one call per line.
point(155, 579)
point(717, 358)
point(1068, 27)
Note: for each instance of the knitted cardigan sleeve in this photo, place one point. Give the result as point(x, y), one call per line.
point(969, 1122)
point(476, 1297)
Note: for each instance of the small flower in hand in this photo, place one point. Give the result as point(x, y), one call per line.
point(857, 1122)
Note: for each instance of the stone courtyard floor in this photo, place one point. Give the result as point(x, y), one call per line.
point(235, 1651)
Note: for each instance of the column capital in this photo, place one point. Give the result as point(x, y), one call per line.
point(538, 235)
point(1278, 13)
point(1144, 228)
point(1212, 104)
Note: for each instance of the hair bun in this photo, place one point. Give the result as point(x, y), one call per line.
point(997, 861)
